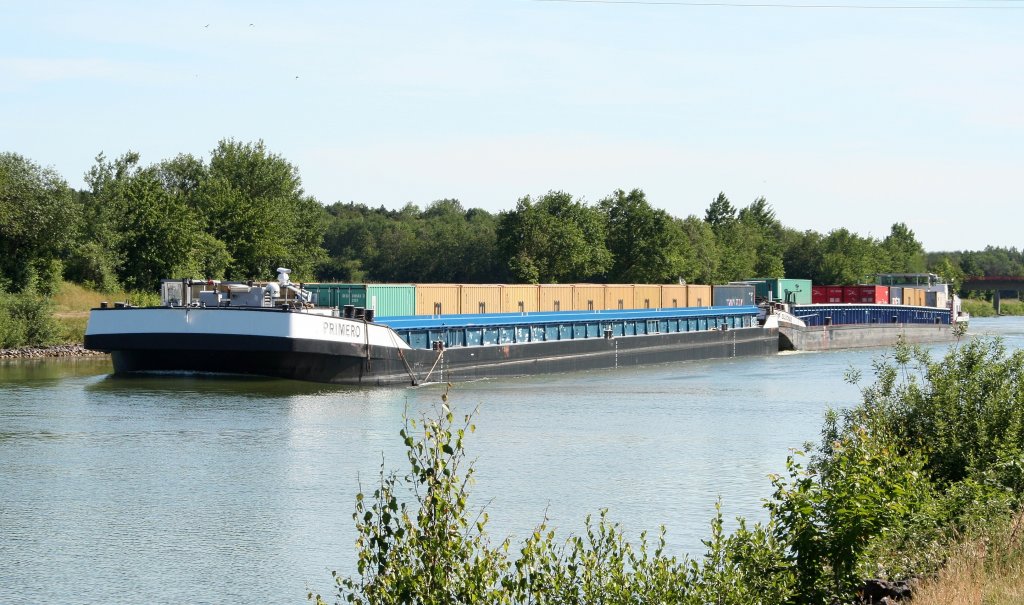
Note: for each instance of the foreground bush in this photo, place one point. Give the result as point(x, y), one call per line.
point(931, 459)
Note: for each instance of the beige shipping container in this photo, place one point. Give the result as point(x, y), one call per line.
point(520, 299)
point(938, 300)
point(673, 296)
point(587, 297)
point(476, 298)
point(646, 296)
point(438, 299)
point(698, 295)
point(618, 296)
point(555, 297)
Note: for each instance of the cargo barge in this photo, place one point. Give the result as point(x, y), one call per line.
point(916, 308)
point(275, 330)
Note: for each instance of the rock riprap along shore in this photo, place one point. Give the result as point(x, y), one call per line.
point(73, 350)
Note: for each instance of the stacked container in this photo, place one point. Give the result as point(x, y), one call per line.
point(479, 299)
point(913, 297)
point(698, 296)
point(520, 299)
point(646, 297)
point(618, 296)
point(555, 297)
point(438, 299)
point(673, 296)
point(385, 299)
point(733, 295)
point(797, 291)
point(827, 295)
point(866, 295)
point(937, 299)
point(586, 297)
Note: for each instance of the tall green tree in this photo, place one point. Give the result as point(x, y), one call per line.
point(706, 258)
point(646, 244)
point(802, 254)
point(949, 270)
point(39, 220)
point(766, 238)
point(848, 258)
point(720, 213)
point(153, 234)
point(905, 254)
point(556, 239)
point(253, 201)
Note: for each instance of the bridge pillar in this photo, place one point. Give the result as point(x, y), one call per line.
point(996, 302)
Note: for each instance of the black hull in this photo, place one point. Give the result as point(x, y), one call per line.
point(361, 365)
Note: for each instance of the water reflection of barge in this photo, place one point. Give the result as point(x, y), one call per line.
point(273, 330)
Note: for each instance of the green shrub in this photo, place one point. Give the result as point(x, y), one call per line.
point(931, 458)
point(26, 320)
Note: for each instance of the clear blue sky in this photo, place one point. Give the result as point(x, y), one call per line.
point(840, 117)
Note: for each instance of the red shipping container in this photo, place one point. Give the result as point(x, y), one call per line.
point(866, 295)
point(834, 294)
point(819, 295)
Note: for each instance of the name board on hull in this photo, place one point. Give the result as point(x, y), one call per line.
point(342, 330)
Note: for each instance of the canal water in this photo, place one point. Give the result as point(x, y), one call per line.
point(175, 489)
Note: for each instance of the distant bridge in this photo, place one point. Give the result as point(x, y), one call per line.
point(995, 283)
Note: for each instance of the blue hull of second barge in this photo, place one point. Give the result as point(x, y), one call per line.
point(834, 327)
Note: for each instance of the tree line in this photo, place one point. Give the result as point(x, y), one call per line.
point(243, 212)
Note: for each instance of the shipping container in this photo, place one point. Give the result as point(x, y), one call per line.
point(732, 295)
point(673, 297)
point(438, 299)
point(866, 295)
point(554, 297)
point(587, 297)
point(895, 295)
point(478, 298)
point(646, 296)
point(520, 299)
point(833, 294)
point(796, 291)
point(337, 295)
point(913, 296)
point(618, 296)
point(698, 295)
point(936, 299)
point(391, 300)
point(819, 295)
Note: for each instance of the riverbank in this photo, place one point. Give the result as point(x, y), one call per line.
point(65, 350)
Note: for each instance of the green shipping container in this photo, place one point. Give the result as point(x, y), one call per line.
point(338, 295)
point(797, 291)
point(391, 300)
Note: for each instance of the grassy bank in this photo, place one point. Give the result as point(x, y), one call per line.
point(984, 308)
point(32, 320)
point(989, 571)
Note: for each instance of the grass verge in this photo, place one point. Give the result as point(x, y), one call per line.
point(989, 571)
